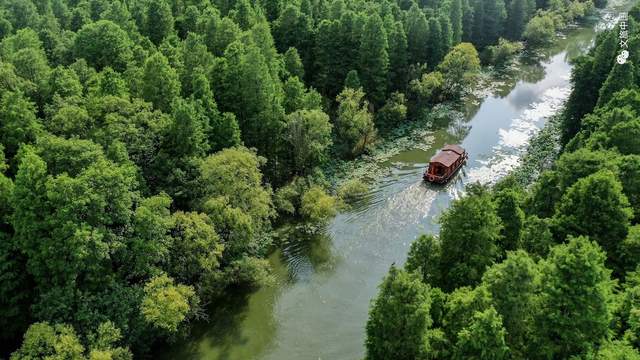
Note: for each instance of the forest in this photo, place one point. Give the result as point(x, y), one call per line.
point(149, 148)
point(541, 271)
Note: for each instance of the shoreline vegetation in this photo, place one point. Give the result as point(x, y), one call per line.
point(148, 149)
point(545, 263)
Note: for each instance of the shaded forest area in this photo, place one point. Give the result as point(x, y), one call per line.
point(148, 148)
point(541, 271)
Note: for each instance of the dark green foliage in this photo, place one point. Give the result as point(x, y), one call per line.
point(374, 60)
point(576, 294)
point(159, 22)
point(596, 207)
point(512, 217)
point(469, 236)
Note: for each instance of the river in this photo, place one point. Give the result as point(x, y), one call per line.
point(318, 308)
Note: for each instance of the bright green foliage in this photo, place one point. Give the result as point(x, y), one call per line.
point(460, 69)
point(18, 122)
point(629, 168)
point(82, 207)
point(374, 59)
point(354, 126)
point(484, 339)
point(103, 43)
point(188, 132)
point(159, 22)
point(166, 305)
point(596, 207)
point(462, 304)
point(317, 206)
point(402, 307)
point(44, 341)
point(513, 285)
point(196, 252)
point(352, 190)
point(624, 136)
point(64, 83)
point(308, 132)
point(428, 88)
point(617, 350)
point(469, 236)
point(512, 217)
point(293, 63)
point(576, 292)
point(235, 200)
point(424, 258)
point(160, 84)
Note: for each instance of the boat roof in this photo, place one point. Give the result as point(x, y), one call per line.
point(448, 155)
point(455, 148)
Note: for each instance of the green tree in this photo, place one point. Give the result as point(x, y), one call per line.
point(512, 217)
point(621, 77)
point(159, 22)
point(596, 207)
point(44, 341)
point(401, 307)
point(374, 59)
point(354, 126)
point(513, 286)
point(160, 84)
point(103, 43)
point(293, 63)
point(398, 56)
point(576, 292)
point(424, 258)
point(308, 132)
point(317, 206)
point(166, 305)
point(417, 34)
point(18, 122)
point(469, 235)
point(483, 339)
point(393, 113)
point(195, 255)
point(235, 200)
point(460, 69)
point(540, 30)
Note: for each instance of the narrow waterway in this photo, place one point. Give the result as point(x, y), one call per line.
point(318, 308)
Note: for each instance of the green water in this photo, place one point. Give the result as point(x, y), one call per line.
point(318, 308)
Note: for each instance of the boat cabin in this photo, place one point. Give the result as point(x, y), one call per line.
point(444, 164)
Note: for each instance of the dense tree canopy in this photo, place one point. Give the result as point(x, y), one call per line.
point(148, 149)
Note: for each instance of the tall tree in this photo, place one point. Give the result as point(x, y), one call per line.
point(576, 300)
point(469, 234)
point(159, 22)
point(402, 307)
point(374, 59)
point(160, 84)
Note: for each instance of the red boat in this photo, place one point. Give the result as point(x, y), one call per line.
point(445, 164)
